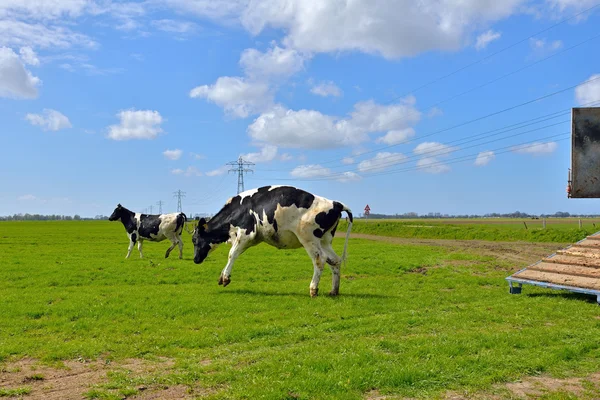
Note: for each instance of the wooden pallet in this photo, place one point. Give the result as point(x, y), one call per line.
point(575, 268)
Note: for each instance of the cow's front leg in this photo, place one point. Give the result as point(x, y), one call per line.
point(140, 246)
point(131, 243)
point(240, 244)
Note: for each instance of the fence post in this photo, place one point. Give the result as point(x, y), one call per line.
point(544, 222)
point(579, 223)
point(525, 224)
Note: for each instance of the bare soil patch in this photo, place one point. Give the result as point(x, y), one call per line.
point(518, 254)
point(74, 378)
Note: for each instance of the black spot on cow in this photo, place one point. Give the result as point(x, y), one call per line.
point(149, 225)
point(334, 229)
point(133, 237)
point(181, 218)
point(328, 220)
point(275, 225)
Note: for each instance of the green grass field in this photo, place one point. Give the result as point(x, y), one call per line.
point(560, 230)
point(411, 320)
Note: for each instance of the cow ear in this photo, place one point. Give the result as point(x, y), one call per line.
point(202, 225)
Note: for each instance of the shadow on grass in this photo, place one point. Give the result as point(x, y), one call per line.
point(298, 294)
point(589, 298)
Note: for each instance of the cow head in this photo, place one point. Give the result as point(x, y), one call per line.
point(116, 215)
point(201, 240)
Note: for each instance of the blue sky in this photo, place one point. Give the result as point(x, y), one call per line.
point(105, 102)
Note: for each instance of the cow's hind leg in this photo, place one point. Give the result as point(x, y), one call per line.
point(180, 244)
point(319, 257)
point(335, 262)
point(173, 244)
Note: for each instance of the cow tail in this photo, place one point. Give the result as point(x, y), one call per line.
point(181, 220)
point(350, 221)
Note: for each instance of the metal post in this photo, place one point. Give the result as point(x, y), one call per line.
point(579, 223)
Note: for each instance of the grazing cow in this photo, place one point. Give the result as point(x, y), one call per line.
point(154, 228)
point(282, 216)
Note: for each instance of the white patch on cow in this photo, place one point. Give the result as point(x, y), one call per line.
point(247, 193)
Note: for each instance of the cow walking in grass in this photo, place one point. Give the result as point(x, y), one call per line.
point(154, 228)
point(282, 216)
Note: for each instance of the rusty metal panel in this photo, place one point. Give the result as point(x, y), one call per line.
point(585, 153)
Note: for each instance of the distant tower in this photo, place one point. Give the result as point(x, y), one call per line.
point(239, 166)
point(179, 195)
point(160, 204)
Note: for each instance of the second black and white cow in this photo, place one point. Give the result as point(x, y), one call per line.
point(154, 228)
point(282, 216)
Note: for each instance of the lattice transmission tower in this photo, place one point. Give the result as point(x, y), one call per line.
point(240, 166)
point(179, 195)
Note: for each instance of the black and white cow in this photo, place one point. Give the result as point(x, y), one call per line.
point(154, 228)
point(282, 216)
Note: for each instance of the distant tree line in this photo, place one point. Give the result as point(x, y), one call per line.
point(52, 217)
point(516, 214)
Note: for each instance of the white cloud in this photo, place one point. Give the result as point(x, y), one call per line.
point(544, 46)
point(311, 129)
point(434, 149)
point(349, 176)
point(189, 171)
point(325, 89)
point(51, 120)
point(435, 112)
point(431, 152)
point(198, 156)
point(173, 154)
point(15, 80)
point(589, 92)
point(347, 160)
point(381, 161)
point(174, 26)
point(137, 56)
point(219, 171)
point(28, 56)
point(267, 153)
point(238, 96)
point(395, 137)
point(486, 38)
point(27, 197)
point(318, 171)
point(286, 157)
point(16, 33)
point(432, 165)
point(484, 158)
point(310, 171)
point(275, 62)
point(142, 124)
point(390, 28)
point(536, 148)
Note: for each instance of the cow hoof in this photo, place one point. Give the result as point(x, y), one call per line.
point(221, 280)
point(314, 292)
point(226, 281)
point(167, 255)
point(334, 293)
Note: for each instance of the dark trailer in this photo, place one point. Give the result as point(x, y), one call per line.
point(576, 268)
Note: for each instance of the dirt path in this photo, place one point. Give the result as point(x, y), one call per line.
point(78, 377)
point(518, 253)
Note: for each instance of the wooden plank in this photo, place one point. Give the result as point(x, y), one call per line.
point(597, 237)
point(567, 269)
point(580, 252)
point(590, 244)
point(570, 260)
point(559, 279)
